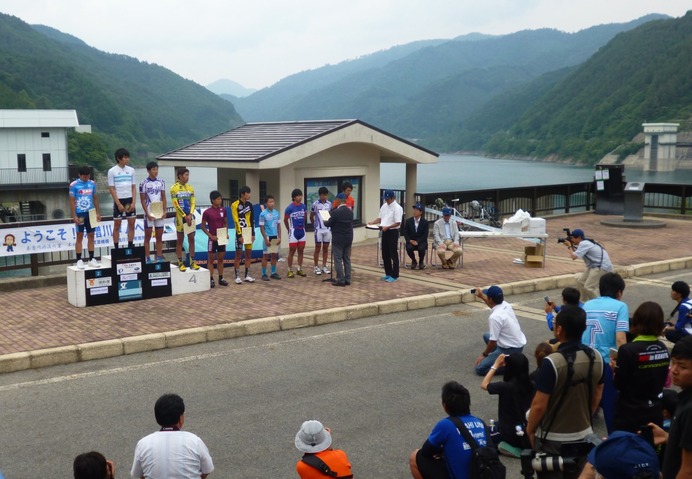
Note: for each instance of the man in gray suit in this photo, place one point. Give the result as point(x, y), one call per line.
point(446, 238)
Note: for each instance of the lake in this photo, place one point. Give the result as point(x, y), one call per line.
point(450, 173)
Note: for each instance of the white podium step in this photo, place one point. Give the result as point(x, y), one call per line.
point(77, 284)
point(189, 281)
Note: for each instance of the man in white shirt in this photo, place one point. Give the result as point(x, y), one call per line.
point(123, 189)
point(389, 220)
point(170, 452)
point(505, 336)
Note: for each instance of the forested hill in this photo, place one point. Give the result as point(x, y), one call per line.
point(144, 107)
point(431, 88)
point(643, 75)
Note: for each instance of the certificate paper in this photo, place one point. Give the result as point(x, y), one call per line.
point(324, 214)
point(222, 236)
point(273, 246)
point(189, 229)
point(156, 209)
point(247, 235)
point(92, 218)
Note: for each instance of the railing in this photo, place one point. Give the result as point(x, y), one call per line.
point(538, 201)
point(10, 177)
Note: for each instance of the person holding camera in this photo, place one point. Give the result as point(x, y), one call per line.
point(596, 259)
point(568, 390)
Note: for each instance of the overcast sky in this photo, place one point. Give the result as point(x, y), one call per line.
point(258, 42)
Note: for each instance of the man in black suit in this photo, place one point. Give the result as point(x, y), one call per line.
point(341, 224)
point(416, 234)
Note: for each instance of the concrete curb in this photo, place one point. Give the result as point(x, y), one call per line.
point(186, 337)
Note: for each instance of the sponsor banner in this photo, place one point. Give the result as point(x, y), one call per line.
point(128, 277)
point(165, 274)
point(98, 282)
point(62, 237)
point(97, 291)
point(159, 282)
point(129, 268)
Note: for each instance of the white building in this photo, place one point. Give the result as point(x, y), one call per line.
point(34, 172)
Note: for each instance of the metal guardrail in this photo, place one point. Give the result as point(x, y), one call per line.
point(10, 177)
point(545, 200)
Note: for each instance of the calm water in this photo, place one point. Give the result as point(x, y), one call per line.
point(467, 172)
point(450, 173)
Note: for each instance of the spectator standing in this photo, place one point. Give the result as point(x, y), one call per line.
point(607, 324)
point(416, 231)
point(596, 259)
point(123, 190)
point(504, 336)
point(82, 199)
point(389, 220)
point(568, 390)
point(429, 462)
point(341, 224)
point(682, 326)
point(677, 462)
point(170, 452)
point(323, 235)
point(446, 238)
point(315, 441)
point(640, 371)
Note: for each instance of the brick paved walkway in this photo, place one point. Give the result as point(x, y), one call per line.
point(42, 318)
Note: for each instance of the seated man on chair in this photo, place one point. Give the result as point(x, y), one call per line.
point(416, 230)
point(446, 238)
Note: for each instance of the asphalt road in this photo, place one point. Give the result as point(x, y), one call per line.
point(376, 382)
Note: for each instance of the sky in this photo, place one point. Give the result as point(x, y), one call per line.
point(258, 42)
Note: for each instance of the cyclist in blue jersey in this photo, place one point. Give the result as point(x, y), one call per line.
point(82, 199)
point(294, 221)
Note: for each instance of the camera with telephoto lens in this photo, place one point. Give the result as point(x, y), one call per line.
point(567, 461)
point(567, 238)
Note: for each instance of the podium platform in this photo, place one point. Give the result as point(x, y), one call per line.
point(125, 276)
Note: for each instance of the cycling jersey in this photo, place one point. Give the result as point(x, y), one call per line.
point(183, 197)
point(122, 179)
point(153, 190)
point(242, 215)
point(83, 193)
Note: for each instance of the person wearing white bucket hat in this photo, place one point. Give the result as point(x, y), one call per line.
point(319, 459)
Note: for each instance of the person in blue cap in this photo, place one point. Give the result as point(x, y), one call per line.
point(389, 220)
point(624, 455)
point(446, 239)
point(416, 229)
point(596, 259)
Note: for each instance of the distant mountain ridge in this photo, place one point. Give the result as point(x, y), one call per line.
point(423, 90)
point(225, 86)
point(144, 107)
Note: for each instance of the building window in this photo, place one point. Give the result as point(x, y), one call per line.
point(45, 134)
point(263, 191)
point(233, 189)
point(21, 163)
point(46, 162)
point(334, 185)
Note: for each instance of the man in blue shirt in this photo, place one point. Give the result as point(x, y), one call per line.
point(680, 292)
point(428, 462)
point(82, 199)
point(607, 324)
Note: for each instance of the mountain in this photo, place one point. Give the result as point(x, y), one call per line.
point(643, 75)
point(425, 90)
point(229, 87)
point(130, 103)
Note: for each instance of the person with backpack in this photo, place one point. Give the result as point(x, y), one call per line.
point(568, 390)
point(596, 259)
point(458, 446)
point(319, 459)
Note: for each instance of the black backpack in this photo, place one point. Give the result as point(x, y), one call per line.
point(485, 461)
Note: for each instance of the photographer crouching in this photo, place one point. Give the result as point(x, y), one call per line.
point(568, 390)
point(595, 257)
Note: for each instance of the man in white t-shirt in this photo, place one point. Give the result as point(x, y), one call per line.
point(171, 452)
point(389, 220)
point(505, 336)
point(123, 189)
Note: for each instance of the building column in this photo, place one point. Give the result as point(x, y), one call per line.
point(252, 180)
point(411, 185)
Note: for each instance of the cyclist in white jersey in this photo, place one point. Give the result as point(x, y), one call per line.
point(323, 234)
point(123, 189)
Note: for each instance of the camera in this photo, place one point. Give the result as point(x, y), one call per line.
point(567, 238)
point(568, 460)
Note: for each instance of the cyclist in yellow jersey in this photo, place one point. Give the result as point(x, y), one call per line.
point(183, 198)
